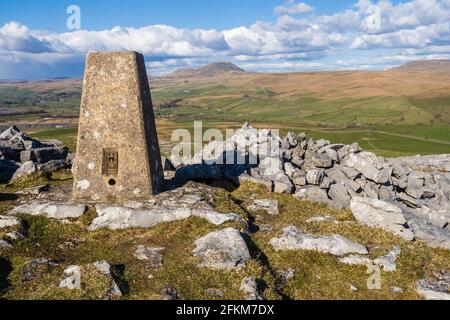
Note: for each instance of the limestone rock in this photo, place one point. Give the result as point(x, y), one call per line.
point(25, 169)
point(115, 218)
point(338, 193)
point(72, 280)
point(294, 239)
point(249, 287)
point(50, 210)
point(285, 275)
point(216, 218)
point(366, 163)
point(224, 249)
point(322, 161)
point(121, 217)
point(433, 236)
point(299, 178)
point(268, 205)
point(435, 290)
point(256, 180)
point(380, 214)
point(105, 268)
point(7, 222)
point(355, 259)
point(15, 235)
point(282, 184)
point(387, 262)
point(270, 167)
point(289, 169)
point(151, 255)
point(313, 193)
point(9, 133)
point(315, 177)
point(408, 200)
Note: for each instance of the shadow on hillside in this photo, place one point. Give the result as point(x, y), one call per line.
point(5, 270)
point(217, 173)
point(8, 197)
point(118, 272)
point(222, 176)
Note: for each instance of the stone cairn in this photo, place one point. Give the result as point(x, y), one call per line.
point(409, 197)
point(21, 155)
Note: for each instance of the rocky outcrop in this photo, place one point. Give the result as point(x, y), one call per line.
point(377, 213)
point(8, 222)
point(387, 262)
point(50, 210)
point(435, 289)
point(409, 197)
point(122, 217)
point(21, 155)
point(224, 249)
point(295, 239)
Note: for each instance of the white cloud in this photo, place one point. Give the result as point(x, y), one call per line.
point(16, 37)
point(418, 28)
point(421, 37)
point(292, 7)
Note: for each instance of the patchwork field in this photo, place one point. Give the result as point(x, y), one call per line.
point(398, 112)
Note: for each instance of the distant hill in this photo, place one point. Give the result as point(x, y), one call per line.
point(413, 100)
point(428, 66)
point(210, 70)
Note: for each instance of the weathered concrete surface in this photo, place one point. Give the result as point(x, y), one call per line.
point(116, 118)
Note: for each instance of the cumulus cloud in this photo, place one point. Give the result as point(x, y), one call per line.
point(418, 28)
point(16, 37)
point(292, 7)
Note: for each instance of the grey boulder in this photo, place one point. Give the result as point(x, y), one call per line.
point(380, 214)
point(224, 249)
point(294, 239)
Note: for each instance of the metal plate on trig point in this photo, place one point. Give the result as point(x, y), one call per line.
point(110, 162)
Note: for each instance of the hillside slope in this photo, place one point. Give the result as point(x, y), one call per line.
point(403, 110)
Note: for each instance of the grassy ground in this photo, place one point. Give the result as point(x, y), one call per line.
point(66, 135)
point(317, 276)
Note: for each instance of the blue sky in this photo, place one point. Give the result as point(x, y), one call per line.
point(105, 14)
point(259, 35)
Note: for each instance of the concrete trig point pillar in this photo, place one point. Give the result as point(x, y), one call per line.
point(118, 156)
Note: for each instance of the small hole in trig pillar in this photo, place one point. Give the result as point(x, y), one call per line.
point(112, 182)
